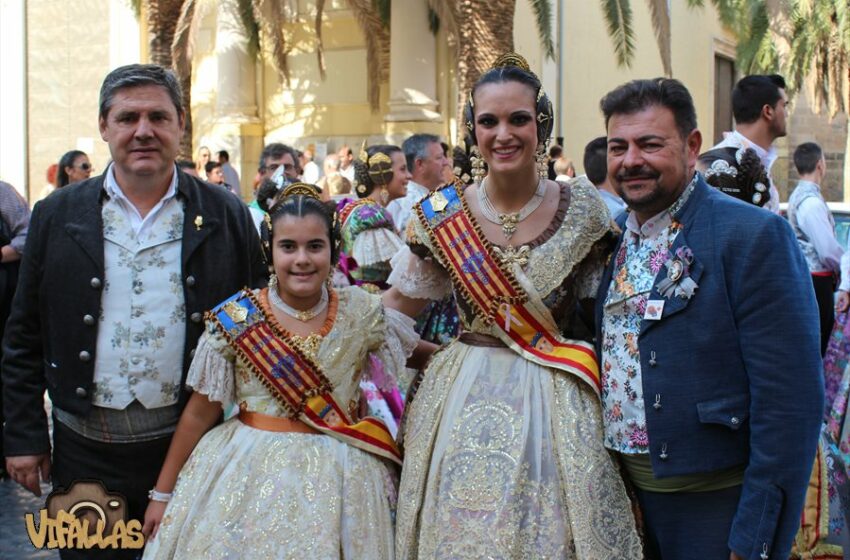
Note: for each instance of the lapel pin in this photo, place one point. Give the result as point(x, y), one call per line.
point(199, 221)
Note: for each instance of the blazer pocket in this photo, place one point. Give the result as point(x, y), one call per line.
point(732, 412)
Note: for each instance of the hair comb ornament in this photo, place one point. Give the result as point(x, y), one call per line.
point(380, 165)
point(512, 59)
point(364, 155)
point(303, 189)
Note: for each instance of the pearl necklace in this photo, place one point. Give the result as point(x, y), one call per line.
point(509, 220)
point(303, 316)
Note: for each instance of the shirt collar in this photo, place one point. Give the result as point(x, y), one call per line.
point(114, 190)
point(803, 182)
point(660, 221)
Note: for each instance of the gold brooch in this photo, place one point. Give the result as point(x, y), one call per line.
point(199, 221)
point(236, 312)
point(439, 201)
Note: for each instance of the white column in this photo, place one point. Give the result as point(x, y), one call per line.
point(413, 70)
point(13, 95)
point(235, 97)
point(125, 45)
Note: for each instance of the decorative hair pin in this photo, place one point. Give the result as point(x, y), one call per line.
point(512, 59)
point(303, 189)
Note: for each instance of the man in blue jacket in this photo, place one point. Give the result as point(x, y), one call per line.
point(708, 341)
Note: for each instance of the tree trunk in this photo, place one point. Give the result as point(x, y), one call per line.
point(485, 31)
point(162, 17)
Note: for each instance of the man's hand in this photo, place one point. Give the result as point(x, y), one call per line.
point(29, 470)
point(843, 301)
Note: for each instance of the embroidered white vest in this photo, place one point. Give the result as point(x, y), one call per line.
point(142, 330)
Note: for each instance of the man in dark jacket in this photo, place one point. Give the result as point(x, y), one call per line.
point(117, 274)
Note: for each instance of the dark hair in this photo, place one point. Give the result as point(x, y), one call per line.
point(806, 157)
point(461, 166)
point(596, 160)
point(373, 175)
point(210, 165)
point(276, 150)
point(637, 95)
point(301, 205)
point(555, 151)
point(185, 164)
point(265, 192)
point(752, 93)
point(545, 117)
point(223, 155)
point(135, 75)
point(416, 147)
point(67, 160)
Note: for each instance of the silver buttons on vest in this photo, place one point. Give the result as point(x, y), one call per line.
point(80, 392)
point(190, 281)
point(735, 420)
point(196, 317)
point(88, 320)
point(85, 356)
point(95, 283)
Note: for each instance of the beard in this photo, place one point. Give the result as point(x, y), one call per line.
point(648, 200)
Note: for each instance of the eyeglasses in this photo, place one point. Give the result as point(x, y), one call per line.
point(85, 166)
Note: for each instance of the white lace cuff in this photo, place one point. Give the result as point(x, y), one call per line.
point(418, 278)
point(212, 373)
point(375, 246)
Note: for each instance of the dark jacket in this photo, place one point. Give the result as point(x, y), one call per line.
point(50, 340)
point(736, 368)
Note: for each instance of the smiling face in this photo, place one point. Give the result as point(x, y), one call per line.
point(301, 253)
point(397, 187)
point(143, 129)
point(505, 126)
point(649, 163)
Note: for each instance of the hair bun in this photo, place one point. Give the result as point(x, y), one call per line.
point(305, 189)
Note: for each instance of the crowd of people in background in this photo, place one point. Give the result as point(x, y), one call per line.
point(419, 351)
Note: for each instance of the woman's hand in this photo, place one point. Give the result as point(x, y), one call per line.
point(153, 517)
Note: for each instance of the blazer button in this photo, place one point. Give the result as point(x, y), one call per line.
point(88, 320)
point(196, 317)
point(657, 405)
point(96, 283)
point(85, 356)
point(190, 281)
point(735, 420)
point(82, 393)
point(663, 455)
point(652, 360)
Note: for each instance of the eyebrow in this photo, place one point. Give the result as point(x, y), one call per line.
point(644, 138)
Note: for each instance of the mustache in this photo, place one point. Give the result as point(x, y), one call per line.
point(643, 172)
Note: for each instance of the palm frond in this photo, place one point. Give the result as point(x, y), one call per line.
point(320, 45)
point(660, 12)
point(433, 21)
point(377, 46)
point(249, 23)
point(696, 4)
point(618, 17)
point(384, 9)
point(543, 18)
point(268, 14)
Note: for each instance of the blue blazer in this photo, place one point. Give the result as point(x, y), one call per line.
point(736, 368)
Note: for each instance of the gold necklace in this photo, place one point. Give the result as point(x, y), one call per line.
point(509, 220)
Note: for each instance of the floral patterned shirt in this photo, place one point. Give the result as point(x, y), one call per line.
point(142, 325)
point(642, 254)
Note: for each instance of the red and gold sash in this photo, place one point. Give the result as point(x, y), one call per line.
point(495, 293)
point(294, 379)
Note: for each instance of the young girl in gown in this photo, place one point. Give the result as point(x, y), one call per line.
point(298, 473)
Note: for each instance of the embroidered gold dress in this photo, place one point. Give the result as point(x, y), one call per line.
point(249, 493)
point(504, 458)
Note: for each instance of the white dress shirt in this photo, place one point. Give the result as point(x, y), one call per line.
point(402, 208)
point(735, 139)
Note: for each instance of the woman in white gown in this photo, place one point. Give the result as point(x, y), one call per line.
point(298, 474)
point(503, 439)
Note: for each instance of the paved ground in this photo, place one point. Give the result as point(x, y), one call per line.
point(15, 502)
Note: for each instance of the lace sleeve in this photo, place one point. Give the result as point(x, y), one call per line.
point(212, 371)
point(419, 278)
point(399, 341)
point(375, 246)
